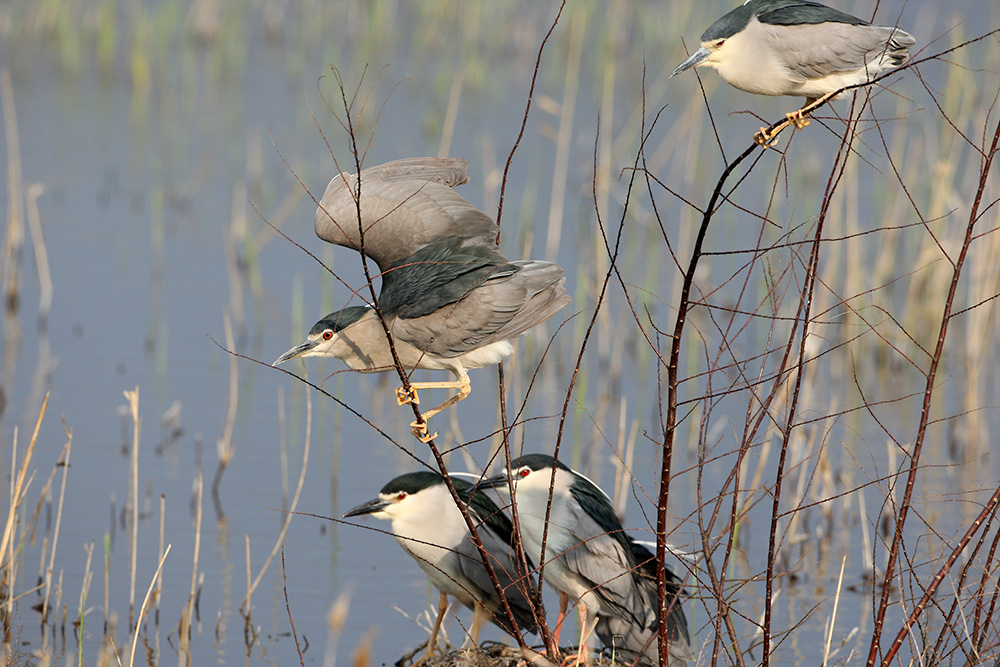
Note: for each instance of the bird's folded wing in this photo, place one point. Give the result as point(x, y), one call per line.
point(600, 558)
point(812, 51)
point(646, 562)
point(439, 274)
point(449, 299)
point(505, 567)
point(464, 325)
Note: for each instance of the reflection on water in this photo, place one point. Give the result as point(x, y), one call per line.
point(153, 142)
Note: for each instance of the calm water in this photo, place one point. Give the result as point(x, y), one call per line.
point(153, 159)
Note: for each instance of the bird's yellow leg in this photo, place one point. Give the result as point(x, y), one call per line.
point(799, 117)
point(404, 397)
point(464, 389)
point(560, 618)
point(432, 642)
point(478, 614)
point(811, 105)
point(462, 384)
point(582, 654)
point(585, 630)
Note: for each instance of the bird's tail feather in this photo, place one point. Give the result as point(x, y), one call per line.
point(545, 295)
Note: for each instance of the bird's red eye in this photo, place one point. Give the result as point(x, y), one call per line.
point(327, 335)
point(400, 496)
point(720, 43)
point(523, 472)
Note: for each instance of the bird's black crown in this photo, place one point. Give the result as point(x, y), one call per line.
point(340, 320)
point(412, 482)
point(536, 462)
point(776, 12)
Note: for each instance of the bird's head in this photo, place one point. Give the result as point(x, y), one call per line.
point(325, 335)
point(715, 44)
point(403, 497)
point(530, 471)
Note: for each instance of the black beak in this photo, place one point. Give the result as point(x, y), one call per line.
point(370, 507)
point(692, 61)
point(497, 481)
point(296, 351)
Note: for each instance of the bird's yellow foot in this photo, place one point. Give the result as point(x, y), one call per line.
point(420, 432)
point(767, 139)
point(404, 396)
point(797, 118)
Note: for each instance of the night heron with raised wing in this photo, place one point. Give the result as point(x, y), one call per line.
point(450, 299)
point(588, 558)
point(430, 527)
point(798, 48)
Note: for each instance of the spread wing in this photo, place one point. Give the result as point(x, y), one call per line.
point(405, 205)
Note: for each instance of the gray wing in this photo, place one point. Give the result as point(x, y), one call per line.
point(496, 310)
point(505, 566)
point(811, 51)
point(601, 559)
point(633, 644)
point(677, 624)
point(405, 205)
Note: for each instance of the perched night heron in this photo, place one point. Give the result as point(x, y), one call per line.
point(429, 526)
point(450, 299)
point(798, 48)
point(588, 558)
point(632, 644)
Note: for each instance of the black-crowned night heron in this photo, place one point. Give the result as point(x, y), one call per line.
point(429, 526)
point(450, 299)
point(798, 48)
point(588, 558)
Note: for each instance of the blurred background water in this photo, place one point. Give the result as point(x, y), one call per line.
point(162, 136)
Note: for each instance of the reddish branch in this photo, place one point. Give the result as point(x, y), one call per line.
point(925, 412)
point(671, 416)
